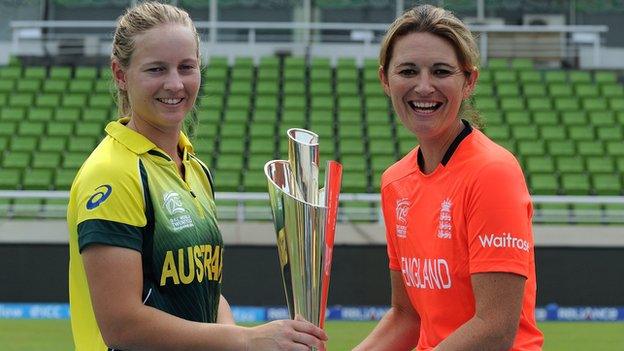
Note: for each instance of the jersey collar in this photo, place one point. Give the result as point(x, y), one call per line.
point(138, 143)
point(451, 150)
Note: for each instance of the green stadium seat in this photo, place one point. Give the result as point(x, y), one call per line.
point(103, 86)
point(294, 88)
point(254, 181)
point(63, 178)
point(585, 90)
point(85, 73)
point(7, 128)
point(349, 103)
point(612, 90)
point(227, 180)
point(295, 102)
point(485, 76)
point(531, 147)
point(380, 131)
point(381, 147)
point(570, 164)
point(590, 148)
point(232, 145)
point(605, 77)
point(555, 77)
point(580, 132)
point(48, 100)
point(46, 160)
point(74, 160)
point(38, 179)
point(544, 184)
point(570, 118)
point(74, 100)
point(484, 103)
point(8, 72)
point(28, 86)
point(614, 133)
point(492, 117)
point(484, 90)
point(607, 184)
point(498, 132)
point(579, 77)
point(215, 74)
point(349, 118)
point(61, 73)
point(12, 114)
point(52, 144)
point(352, 146)
point(545, 118)
point(525, 132)
point(512, 104)
point(7, 85)
point(272, 62)
point(534, 90)
point(84, 144)
point(517, 118)
point(600, 164)
point(40, 114)
point(10, 178)
point(498, 64)
point(322, 103)
point(23, 143)
point(616, 103)
point(31, 128)
point(539, 103)
point(16, 159)
point(353, 163)
point(21, 100)
point(508, 89)
point(595, 104)
point(101, 101)
point(566, 104)
point(552, 132)
point(106, 73)
point(346, 74)
point(561, 148)
point(95, 114)
point(321, 74)
point(80, 86)
point(35, 72)
point(530, 76)
point(560, 90)
point(241, 87)
point(602, 118)
point(265, 102)
point(505, 76)
point(92, 129)
point(267, 115)
point(262, 145)
point(67, 114)
point(54, 86)
point(267, 88)
point(320, 88)
point(539, 164)
point(294, 74)
point(293, 117)
point(354, 182)
point(231, 162)
point(347, 88)
point(575, 184)
point(256, 162)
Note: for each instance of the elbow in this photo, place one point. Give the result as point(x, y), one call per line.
point(118, 335)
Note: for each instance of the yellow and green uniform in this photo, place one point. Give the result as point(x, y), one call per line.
point(129, 194)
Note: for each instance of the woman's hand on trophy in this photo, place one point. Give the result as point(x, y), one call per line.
point(286, 335)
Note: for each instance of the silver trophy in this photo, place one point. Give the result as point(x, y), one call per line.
point(305, 223)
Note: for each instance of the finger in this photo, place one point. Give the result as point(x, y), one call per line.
point(309, 328)
point(308, 340)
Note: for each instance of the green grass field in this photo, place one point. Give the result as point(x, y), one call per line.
point(54, 335)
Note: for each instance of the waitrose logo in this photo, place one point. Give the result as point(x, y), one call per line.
point(504, 240)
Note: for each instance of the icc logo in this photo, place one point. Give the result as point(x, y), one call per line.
point(173, 204)
point(402, 209)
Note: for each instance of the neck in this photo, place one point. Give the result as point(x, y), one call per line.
point(165, 138)
point(434, 149)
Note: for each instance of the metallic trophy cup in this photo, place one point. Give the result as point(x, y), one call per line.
point(305, 223)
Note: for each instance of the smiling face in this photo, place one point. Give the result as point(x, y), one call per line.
point(163, 77)
point(426, 84)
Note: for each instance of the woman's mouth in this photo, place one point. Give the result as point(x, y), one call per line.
point(171, 102)
point(424, 107)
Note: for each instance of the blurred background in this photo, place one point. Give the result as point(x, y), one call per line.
point(550, 91)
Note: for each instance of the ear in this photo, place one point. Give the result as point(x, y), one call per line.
point(383, 79)
point(471, 83)
point(119, 75)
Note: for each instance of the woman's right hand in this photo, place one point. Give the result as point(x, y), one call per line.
point(286, 335)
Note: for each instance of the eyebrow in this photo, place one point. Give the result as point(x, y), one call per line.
point(163, 63)
point(436, 64)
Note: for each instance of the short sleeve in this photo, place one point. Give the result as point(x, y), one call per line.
point(390, 236)
point(109, 206)
point(499, 215)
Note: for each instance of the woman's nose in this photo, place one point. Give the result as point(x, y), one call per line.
point(423, 84)
point(174, 82)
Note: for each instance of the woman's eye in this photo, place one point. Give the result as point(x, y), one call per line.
point(407, 72)
point(186, 67)
point(442, 72)
point(155, 69)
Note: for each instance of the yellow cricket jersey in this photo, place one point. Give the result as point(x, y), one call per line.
point(128, 193)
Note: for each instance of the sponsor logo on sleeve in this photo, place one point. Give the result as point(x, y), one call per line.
point(444, 225)
point(402, 209)
point(504, 240)
point(101, 194)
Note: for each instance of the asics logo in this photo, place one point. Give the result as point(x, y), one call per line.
point(102, 193)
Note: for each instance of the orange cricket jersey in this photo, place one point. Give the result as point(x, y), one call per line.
point(470, 215)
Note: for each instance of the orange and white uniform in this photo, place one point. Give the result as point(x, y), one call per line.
point(472, 214)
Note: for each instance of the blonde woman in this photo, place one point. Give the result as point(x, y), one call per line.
point(146, 254)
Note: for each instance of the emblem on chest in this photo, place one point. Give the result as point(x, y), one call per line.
point(178, 215)
point(445, 225)
point(402, 210)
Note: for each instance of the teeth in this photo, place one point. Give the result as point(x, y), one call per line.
point(170, 101)
point(424, 104)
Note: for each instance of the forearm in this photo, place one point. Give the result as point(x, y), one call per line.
point(478, 335)
point(148, 328)
point(397, 330)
